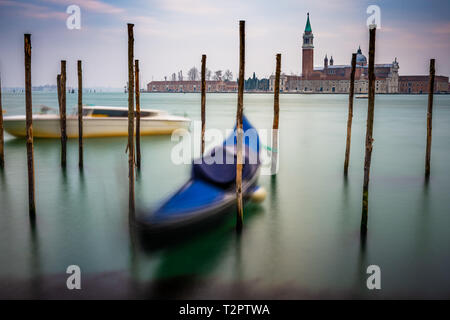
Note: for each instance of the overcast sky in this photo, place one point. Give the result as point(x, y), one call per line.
point(171, 35)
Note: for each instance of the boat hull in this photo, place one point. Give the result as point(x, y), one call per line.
point(207, 214)
point(45, 126)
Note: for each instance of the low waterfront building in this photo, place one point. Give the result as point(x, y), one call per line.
point(419, 84)
point(192, 86)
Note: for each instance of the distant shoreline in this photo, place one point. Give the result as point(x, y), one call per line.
point(303, 93)
point(227, 92)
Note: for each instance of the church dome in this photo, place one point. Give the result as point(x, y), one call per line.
point(360, 58)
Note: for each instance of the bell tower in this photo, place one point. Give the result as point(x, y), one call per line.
point(307, 51)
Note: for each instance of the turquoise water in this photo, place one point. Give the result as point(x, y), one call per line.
point(302, 241)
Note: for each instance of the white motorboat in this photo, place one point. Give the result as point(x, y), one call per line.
point(98, 121)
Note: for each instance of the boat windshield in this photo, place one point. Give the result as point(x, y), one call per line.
point(109, 113)
point(119, 113)
point(149, 113)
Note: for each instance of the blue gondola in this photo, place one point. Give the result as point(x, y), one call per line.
point(210, 193)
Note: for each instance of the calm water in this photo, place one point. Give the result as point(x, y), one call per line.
point(302, 241)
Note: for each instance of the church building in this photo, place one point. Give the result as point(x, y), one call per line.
point(331, 78)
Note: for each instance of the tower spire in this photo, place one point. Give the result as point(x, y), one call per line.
point(308, 24)
point(308, 50)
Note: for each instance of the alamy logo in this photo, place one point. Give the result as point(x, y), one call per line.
point(74, 20)
point(188, 146)
point(374, 280)
point(374, 20)
point(74, 280)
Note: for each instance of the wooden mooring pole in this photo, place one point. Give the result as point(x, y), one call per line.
point(80, 115)
point(58, 90)
point(130, 119)
point(350, 114)
point(2, 143)
point(369, 130)
point(29, 126)
point(239, 125)
point(276, 116)
point(429, 118)
point(138, 116)
point(63, 114)
point(203, 102)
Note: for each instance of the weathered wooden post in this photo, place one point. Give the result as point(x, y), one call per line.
point(239, 125)
point(369, 130)
point(80, 115)
point(29, 126)
point(63, 114)
point(276, 115)
point(203, 102)
point(58, 90)
point(350, 114)
point(2, 143)
point(429, 118)
point(138, 117)
point(130, 118)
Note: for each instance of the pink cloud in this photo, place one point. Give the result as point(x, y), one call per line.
point(43, 12)
point(34, 11)
point(91, 5)
point(443, 29)
point(197, 7)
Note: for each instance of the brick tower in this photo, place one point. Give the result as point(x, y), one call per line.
point(308, 51)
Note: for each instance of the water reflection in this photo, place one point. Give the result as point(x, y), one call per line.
point(134, 274)
point(35, 261)
point(238, 257)
point(3, 180)
point(4, 194)
point(423, 219)
point(361, 265)
point(274, 226)
point(183, 266)
point(273, 192)
point(82, 182)
point(15, 142)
